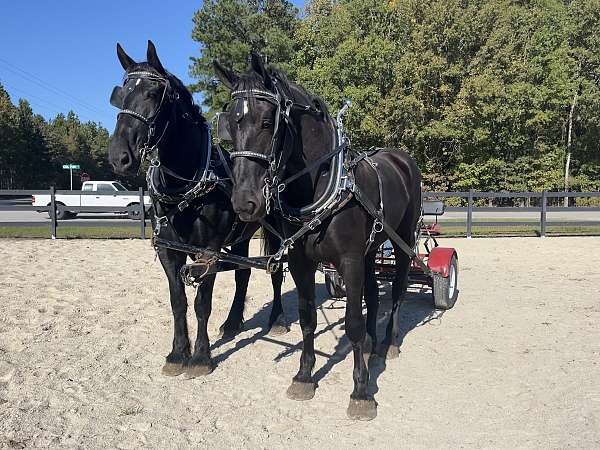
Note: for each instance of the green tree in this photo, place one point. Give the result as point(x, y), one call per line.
point(228, 30)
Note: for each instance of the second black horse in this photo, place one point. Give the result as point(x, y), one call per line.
point(282, 136)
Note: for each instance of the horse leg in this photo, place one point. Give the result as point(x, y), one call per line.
point(172, 262)
point(391, 343)
point(362, 406)
point(371, 294)
point(200, 363)
point(277, 320)
point(303, 271)
point(235, 319)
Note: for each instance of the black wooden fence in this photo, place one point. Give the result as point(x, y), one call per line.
point(541, 198)
point(53, 207)
point(542, 209)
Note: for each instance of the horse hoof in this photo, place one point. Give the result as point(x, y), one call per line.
point(227, 332)
point(172, 369)
point(301, 391)
point(278, 330)
point(362, 409)
point(393, 352)
point(197, 371)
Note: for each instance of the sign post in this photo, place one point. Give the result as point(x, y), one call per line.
point(71, 167)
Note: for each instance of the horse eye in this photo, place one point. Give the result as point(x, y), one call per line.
point(266, 124)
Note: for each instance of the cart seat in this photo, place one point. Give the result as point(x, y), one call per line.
point(433, 208)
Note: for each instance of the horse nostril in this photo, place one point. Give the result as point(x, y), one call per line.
point(251, 207)
point(125, 159)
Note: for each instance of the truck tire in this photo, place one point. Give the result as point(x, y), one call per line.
point(62, 215)
point(133, 211)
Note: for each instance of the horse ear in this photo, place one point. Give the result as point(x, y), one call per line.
point(257, 64)
point(152, 58)
point(124, 58)
point(227, 77)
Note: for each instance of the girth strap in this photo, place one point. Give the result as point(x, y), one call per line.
point(371, 209)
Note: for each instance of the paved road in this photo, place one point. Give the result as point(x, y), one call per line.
point(32, 218)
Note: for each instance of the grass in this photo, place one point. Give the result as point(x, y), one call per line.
point(448, 230)
point(73, 232)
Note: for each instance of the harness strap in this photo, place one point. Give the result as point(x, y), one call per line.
point(316, 163)
point(366, 203)
point(224, 162)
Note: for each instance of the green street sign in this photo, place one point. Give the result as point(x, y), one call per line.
point(71, 166)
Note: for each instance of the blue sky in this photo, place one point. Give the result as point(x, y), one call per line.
point(60, 55)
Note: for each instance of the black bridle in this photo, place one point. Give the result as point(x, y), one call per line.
point(274, 182)
point(274, 159)
point(204, 180)
point(148, 146)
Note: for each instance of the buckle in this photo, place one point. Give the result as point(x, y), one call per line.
point(314, 223)
point(182, 205)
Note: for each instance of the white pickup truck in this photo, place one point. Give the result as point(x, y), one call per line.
point(107, 194)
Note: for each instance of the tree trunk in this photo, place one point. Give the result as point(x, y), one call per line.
point(569, 141)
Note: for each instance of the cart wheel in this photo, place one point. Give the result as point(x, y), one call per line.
point(335, 285)
point(445, 290)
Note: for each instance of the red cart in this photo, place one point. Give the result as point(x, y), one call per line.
point(443, 260)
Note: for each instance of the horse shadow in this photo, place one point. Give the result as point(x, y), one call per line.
point(416, 310)
point(259, 320)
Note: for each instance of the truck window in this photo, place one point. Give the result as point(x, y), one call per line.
point(105, 187)
point(119, 187)
point(87, 187)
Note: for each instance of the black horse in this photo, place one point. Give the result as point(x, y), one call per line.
point(159, 120)
point(281, 135)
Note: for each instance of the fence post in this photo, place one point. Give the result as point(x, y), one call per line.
point(52, 212)
point(543, 214)
point(470, 214)
point(142, 214)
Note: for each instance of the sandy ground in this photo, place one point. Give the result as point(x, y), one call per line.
point(85, 325)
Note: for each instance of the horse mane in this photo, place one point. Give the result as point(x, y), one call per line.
point(297, 92)
point(252, 80)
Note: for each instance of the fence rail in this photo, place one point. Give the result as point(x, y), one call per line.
point(53, 207)
point(543, 209)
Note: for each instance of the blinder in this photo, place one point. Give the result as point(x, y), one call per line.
point(222, 125)
point(116, 98)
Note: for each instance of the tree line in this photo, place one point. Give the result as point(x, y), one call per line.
point(33, 150)
point(486, 94)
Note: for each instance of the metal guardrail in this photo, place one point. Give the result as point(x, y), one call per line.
point(470, 196)
point(53, 208)
point(543, 209)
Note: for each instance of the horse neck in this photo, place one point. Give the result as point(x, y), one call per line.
point(184, 151)
point(310, 143)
